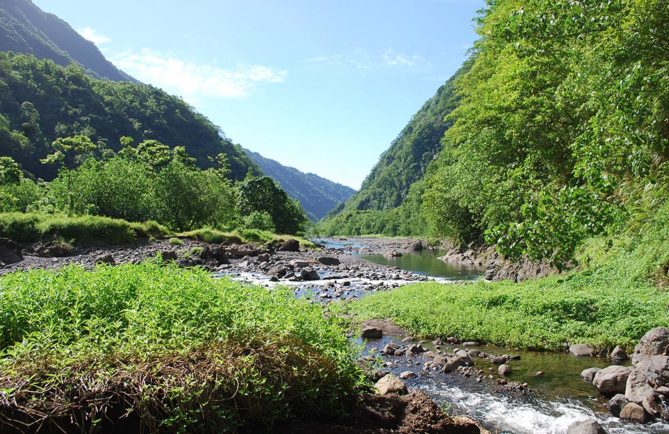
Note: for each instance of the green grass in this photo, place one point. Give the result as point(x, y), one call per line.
point(613, 299)
point(81, 230)
point(174, 350)
point(215, 236)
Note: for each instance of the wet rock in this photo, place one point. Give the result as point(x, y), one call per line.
point(656, 405)
point(169, 255)
point(372, 333)
point(263, 257)
point(289, 246)
point(655, 369)
point(10, 252)
point(105, 259)
point(329, 261)
point(309, 274)
point(616, 404)
point(52, 250)
point(498, 360)
point(586, 427)
point(390, 349)
point(416, 349)
point(238, 251)
point(618, 354)
point(581, 350)
point(400, 352)
point(653, 343)
point(589, 374)
point(637, 387)
point(407, 375)
point(417, 246)
point(470, 344)
point(298, 263)
point(504, 370)
point(539, 374)
point(612, 380)
point(390, 384)
point(278, 271)
point(453, 363)
point(634, 413)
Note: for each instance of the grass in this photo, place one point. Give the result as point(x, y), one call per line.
point(215, 236)
point(158, 348)
point(618, 294)
point(81, 230)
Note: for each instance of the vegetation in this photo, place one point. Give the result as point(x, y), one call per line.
point(42, 102)
point(158, 348)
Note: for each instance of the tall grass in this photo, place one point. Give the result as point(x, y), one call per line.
point(165, 349)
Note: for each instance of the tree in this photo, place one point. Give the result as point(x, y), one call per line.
point(261, 194)
point(10, 171)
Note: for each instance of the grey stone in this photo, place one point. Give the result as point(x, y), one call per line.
point(390, 349)
point(618, 354)
point(634, 413)
point(329, 261)
point(504, 370)
point(406, 375)
point(453, 363)
point(289, 246)
point(616, 404)
point(655, 369)
point(589, 374)
point(590, 426)
point(390, 384)
point(612, 380)
point(581, 350)
point(309, 274)
point(637, 387)
point(653, 343)
point(372, 333)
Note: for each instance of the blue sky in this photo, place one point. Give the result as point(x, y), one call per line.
point(321, 86)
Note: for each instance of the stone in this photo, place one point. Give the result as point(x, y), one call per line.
point(616, 404)
point(298, 263)
point(653, 343)
point(372, 333)
point(590, 426)
point(390, 384)
point(634, 413)
point(618, 354)
point(289, 246)
point(407, 375)
point(612, 380)
point(105, 259)
point(309, 274)
point(416, 349)
point(589, 374)
point(263, 257)
point(504, 370)
point(10, 252)
point(217, 254)
point(581, 350)
point(453, 363)
point(169, 255)
point(539, 374)
point(329, 261)
point(498, 360)
point(655, 405)
point(637, 387)
point(278, 271)
point(655, 369)
point(390, 349)
point(53, 250)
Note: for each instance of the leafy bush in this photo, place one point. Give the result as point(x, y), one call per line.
point(171, 349)
point(259, 220)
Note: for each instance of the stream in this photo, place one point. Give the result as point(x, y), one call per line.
point(555, 400)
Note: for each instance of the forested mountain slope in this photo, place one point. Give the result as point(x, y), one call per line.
point(41, 101)
point(317, 195)
point(25, 28)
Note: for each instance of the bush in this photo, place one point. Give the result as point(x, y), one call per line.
point(259, 220)
point(186, 352)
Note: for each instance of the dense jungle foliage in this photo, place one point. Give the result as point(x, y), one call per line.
point(562, 123)
point(41, 102)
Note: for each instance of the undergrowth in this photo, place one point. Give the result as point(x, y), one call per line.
point(157, 348)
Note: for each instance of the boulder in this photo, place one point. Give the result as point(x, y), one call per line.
point(262, 258)
point(309, 274)
point(240, 251)
point(616, 404)
point(290, 245)
point(278, 271)
point(504, 370)
point(53, 250)
point(590, 426)
point(390, 384)
point(390, 349)
point(581, 350)
point(371, 333)
point(416, 349)
point(612, 380)
point(329, 261)
point(298, 263)
point(589, 374)
point(10, 252)
point(653, 343)
point(105, 259)
point(637, 387)
point(453, 363)
point(169, 255)
point(395, 254)
point(634, 413)
point(655, 405)
point(655, 369)
point(216, 254)
point(406, 375)
point(618, 354)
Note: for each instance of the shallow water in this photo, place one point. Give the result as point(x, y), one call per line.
point(427, 263)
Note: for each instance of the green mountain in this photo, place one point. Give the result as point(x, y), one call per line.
point(317, 195)
point(25, 28)
point(41, 101)
point(389, 201)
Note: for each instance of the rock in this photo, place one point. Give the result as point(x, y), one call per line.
point(406, 375)
point(217, 254)
point(289, 246)
point(618, 354)
point(416, 349)
point(590, 426)
point(10, 252)
point(395, 254)
point(498, 360)
point(635, 413)
point(329, 261)
point(589, 374)
point(390, 384)
point(653, 343)
point(616, 404)
point(372, 333)
point(655, 405)
point(581, 350)
point(240, 251)
point(539, 374)
point(655, 369)
point(309, 274)
point(390, 349)
point(105, 259)
point(299, 263)
point(53, 250)
point(637, 387)
point(417, 246)
point(504, 370)
point(453, 363)
point(278, 271)
point(263, 258)
point(612, 380)
point(169, 255)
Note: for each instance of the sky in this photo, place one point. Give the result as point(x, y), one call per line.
point(322, 86)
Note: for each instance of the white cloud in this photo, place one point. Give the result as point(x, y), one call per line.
point(360, 59)
point(391, 58)
point(90, 34)
point(192, 80)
